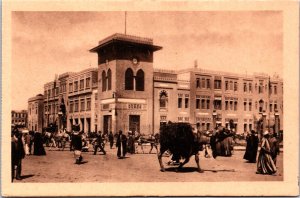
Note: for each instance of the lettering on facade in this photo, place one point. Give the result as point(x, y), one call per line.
point(134, 106)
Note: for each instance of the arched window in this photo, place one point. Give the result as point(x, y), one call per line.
point(163, 99)
point(139, 80)
point(109, 79)
point(103, 81)
point(129, 79)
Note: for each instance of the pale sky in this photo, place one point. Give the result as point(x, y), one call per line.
point(49, 43)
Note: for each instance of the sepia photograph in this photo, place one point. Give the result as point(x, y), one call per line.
point(149, 99)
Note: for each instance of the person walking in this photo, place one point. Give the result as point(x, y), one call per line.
point(99, 143)
point(121, 145)
point(38, 144)
point(274, 145)
point(17, 154)
point(111, 139)
point(153, 142)
point(31, 134)
point(265, 164)
point(130, 142)
point(77, 144)
point(27, 139)
point(252, 147)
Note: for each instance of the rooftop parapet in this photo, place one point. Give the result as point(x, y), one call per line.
point(37, 97)
point(125, 37)
point(117, 37)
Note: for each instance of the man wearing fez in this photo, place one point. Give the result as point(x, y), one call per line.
point(77, 143)
point(121, 145)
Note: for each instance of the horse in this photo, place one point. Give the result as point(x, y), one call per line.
point(142, 139)
point(57, 139)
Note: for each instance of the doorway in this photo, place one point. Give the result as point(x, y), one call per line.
point(107, 124)
point(134, 123)
point(82, 124)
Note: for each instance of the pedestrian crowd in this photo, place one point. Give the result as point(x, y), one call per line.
point(28, 142)
point(269, 150)
point(24, 142)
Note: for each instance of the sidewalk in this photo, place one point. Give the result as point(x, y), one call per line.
point(243, 148)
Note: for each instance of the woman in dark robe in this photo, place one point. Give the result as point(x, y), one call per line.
point(130, 143)
point(251, 148)
point(265, 164)
point(38, 144)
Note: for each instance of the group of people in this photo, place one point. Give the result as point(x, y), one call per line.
point(269, 150)
point(77, 144)
point(21, 145)
point(124, 144)
point(222, 141)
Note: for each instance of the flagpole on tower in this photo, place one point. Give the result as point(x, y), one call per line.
point(125, 20)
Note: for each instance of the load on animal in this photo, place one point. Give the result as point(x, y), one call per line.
point(180, 140)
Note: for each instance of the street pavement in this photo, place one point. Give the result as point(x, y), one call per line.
point(59, 166)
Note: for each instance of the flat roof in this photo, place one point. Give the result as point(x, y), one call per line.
point(117, 37)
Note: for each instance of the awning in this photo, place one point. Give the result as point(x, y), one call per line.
point(25, 131)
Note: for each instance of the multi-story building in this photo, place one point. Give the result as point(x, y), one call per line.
point(126, 93)
point(19, 118)
point(76, 92)
point(35, 113)
point(82, 91)
point(207, 98)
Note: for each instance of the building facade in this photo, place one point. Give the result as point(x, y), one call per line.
point(70, 99)
point(82, 91)
point(19, 118)
point(35, 113)
point(126, 93)
point(125, 89)
point(207, 98)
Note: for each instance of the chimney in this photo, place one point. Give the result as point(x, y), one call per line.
point(196, 63)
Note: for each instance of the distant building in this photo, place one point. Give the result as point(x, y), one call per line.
point(19, 118)
point(126, 93)
point(78, 92)
point(82, 94)
point(35, 113)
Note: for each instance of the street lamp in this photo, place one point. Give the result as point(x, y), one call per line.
point(114, 95)
point(47, 114)
point(276, 114)
point(214, 114)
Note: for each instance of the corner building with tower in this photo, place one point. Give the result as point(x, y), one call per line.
point(126, 93)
